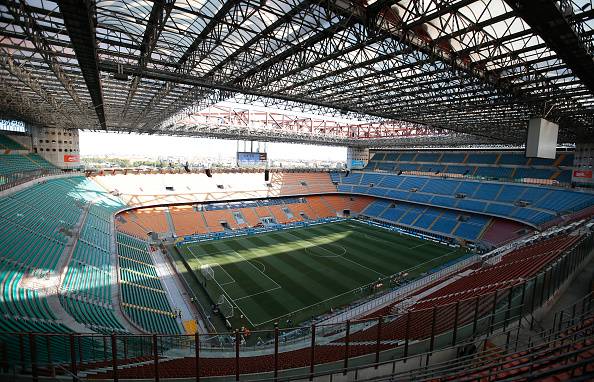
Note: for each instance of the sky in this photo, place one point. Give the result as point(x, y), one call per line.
point(135, 145)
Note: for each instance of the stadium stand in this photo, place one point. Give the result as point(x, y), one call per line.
point(86, 288)
point(39, 222)
point(17, 163)
point(365, 340)
point(187, 221)
point(495, 165)
point(501, 231)
point(425, 211)
point(143, 298)
point(534, 205)
point(9, 144)
point(211, 218)
point(147, 189)
point(85, 291)
point(475, 285)
point(436, 221)
point(301, 183)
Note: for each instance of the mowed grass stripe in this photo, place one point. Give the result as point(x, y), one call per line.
point(258, 307)
point(248, 279)
point(389, 237)
point(377, 257)
point(344, 265)
point(429, 252)
point(411, 256)
point(310, 268)
point(297, 268)
point(223, 255)
point(311, 277)
point(268, 305)
point(196, 263)
point(339, 275)
point(293, 294)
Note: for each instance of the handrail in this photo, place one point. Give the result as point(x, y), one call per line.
point(14, 179)
point(500, 310)
point(447, 366)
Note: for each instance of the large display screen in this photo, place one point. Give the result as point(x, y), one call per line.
point(247, 158)
point(357, 164)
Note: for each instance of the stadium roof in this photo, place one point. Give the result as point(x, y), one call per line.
point(470, 66)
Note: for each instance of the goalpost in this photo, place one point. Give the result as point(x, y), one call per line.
point(207, 272)
point(225, 306)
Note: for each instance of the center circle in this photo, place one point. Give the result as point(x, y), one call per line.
point(334, 250)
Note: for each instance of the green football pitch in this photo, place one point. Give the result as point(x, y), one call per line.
point(300, 273)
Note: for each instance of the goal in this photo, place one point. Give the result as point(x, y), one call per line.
point(207, 272)
point(225, 306)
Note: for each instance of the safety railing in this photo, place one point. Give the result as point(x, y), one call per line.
point(14, 179)
point(310, 351)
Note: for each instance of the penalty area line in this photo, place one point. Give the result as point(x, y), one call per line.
point(257, 293)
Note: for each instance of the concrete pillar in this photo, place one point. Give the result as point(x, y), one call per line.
point(357, 157)
point(57, 145)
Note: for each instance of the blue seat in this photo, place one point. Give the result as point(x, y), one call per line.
point(444, 225)
point(513, 159)
point(453, 157)
point(468, 231)
point(487, 191)
point(481, 158)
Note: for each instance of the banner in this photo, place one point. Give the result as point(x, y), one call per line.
point(587, 174)
point(357, 164)
point(71, 158)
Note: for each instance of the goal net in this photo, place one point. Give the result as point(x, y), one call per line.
point(207, 272)
point(225, 306)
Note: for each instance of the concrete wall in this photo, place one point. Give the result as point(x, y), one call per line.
point(357, 157)
point(583, 164)
point(58, 146)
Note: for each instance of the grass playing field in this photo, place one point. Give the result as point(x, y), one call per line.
point(300, 273)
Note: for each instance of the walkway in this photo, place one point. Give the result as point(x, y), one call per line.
point(178, 298)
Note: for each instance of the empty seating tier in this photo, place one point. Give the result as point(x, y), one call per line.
point(16, 163)
point(218, 217)
point(39, 226)
point(142, 295)
point(531, 204)
point(508, 165)
point(7, 143)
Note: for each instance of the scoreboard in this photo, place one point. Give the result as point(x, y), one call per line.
point(250, 158)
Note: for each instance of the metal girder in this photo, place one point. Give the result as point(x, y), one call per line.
point(227, 123)
point(29, 80)
point(156, 22)
point(469, 66)
point(22, 14)
point(19, 104)
point(552, 21)
point(80, 24)
point(252, 52)
point(200, 48)
point(241, 132)
point(225, 116)
point(242, 57)
point(196, 81)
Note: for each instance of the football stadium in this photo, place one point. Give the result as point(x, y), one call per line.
point(452, 239)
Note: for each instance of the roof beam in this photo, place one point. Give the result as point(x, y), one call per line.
point(29, 79)
point(200, 48)
point(22, 14)
point(80, 24)
point(156, 22)
point(567, 39)
point(189, 79)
